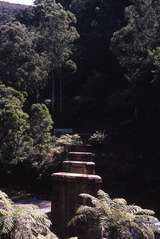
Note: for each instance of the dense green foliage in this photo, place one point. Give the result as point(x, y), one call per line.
point(132, 42)
point(17, 222)
point(112, 47)
point(14, 126)
point(57, 37)
point(97, 62)
point(21, 66)
point(31, 56)
point(21, 133)
point(103, 217)
point(41, 125)
point(9, 11)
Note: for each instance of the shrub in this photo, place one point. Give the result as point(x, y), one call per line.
point(15, 142)
point(69, 139)
point(97, 138)
point(41, 126)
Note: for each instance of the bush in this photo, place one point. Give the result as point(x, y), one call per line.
point(97, 138)
point(69, 139)
point(15, 141)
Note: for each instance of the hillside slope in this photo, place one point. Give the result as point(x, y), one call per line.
point(8, 11)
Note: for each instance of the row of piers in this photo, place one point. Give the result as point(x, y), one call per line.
point(77, 176)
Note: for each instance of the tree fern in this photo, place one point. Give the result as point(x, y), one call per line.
point(22, 222)
point(103, 217)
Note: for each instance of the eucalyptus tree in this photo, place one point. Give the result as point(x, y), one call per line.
point(58, 34)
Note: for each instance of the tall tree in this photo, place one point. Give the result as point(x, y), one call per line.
point(133, 46)
point(57, 37)
point(141, 33)
point(96, 77)
point(21, 66)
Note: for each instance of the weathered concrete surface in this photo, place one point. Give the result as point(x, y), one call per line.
point(80, 156)
point(79, 167)
point(80, 148)
point(67, 187)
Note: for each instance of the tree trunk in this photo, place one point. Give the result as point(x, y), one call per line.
point(60, 94)
point(52, 91)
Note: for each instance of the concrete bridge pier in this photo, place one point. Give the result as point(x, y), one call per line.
point(67, 187)
point(77, 177)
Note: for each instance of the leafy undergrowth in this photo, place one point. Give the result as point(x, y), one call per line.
point(22, 222)
point(103, 217)
point(69, 139)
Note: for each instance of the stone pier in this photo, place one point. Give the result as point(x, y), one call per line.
point(78, 176)
point(80, 148)
point(80, 156)
point(79, 167)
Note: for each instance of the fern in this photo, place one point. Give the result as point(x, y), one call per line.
point(103, 217)
point(22, 222)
